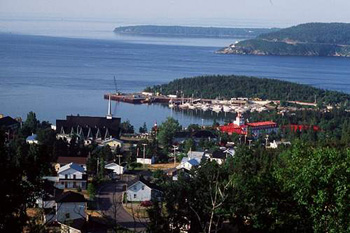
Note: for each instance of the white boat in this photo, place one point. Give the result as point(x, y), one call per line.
point(217, 108)
point(171, 105)
point(227, 108)
point(191, 106)
point(205, 107)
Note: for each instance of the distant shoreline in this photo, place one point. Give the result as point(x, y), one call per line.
point(191, 32)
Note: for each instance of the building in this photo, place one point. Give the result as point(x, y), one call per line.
point(188, 163)
point(147, 160)
point(113, 143)
point(32, 139)
point(255, 129)
point(142, 190)
point(115, 168)
point(87, 128)
point(48, 195)
point(218, 156)
point(204, 135)
point(193, 159)
point(10, 126)
point(64, 160)
point(175, 172)
point(70, 206)
point(71, 176)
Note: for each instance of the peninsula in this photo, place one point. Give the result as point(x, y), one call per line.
point(192, 32)
point(311, 39)
point(233, 86)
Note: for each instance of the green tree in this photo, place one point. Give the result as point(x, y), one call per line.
point(127, 127)
point(143, 129)
point(189, 145)
point(319, 181)
point(167, 131)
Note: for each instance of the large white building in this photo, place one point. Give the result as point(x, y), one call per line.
point(70, 176)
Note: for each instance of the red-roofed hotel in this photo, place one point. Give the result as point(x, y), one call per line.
point(255, 129)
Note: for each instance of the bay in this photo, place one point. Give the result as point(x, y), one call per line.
point(56, 76)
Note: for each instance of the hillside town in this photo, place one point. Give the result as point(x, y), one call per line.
point(102, 174)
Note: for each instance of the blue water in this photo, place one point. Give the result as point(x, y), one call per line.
point(56, 77)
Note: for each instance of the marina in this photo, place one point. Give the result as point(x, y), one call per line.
point(234, 105)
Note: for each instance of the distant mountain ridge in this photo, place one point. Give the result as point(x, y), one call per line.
point(311, 39)
point(195, 32)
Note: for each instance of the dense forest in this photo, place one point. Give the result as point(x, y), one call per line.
point(325, 33)
point(312, 39)
point(181, 31)
point(251, 87)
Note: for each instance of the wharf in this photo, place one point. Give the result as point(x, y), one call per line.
point(139, 98)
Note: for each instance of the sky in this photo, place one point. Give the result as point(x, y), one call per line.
point(171, 12)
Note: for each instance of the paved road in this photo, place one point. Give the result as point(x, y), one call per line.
point(110, 205)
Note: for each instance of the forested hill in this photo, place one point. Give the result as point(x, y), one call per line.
point(252, 87)
point(182, 31)
point(311, 39)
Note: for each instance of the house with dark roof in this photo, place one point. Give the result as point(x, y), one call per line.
point(70, 206)
point(175, 172)
point(221, 155)
point(48, 195)
point(88, 128)
point(204, 135)
point(9, 125)
point(181, 137)
point(141, 189)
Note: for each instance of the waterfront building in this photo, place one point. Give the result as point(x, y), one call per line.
point(90, 129)
point(254, 129)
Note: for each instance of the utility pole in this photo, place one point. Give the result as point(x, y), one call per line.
point(175, 148)
point(144, 154)
point(267, 139)
point(120, 168)
point(98, 162)
point(250, 141)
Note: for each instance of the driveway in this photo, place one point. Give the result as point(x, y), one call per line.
point(109, 202)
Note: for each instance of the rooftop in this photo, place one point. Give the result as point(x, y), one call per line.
point(262, 123)
point(7, 121)
point(69, 159)
point(70, 197)
point(72, 166)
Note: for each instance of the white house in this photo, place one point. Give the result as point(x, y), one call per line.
point(116, 168)
point(142, 190)
point(71, 175)
point(195, 154)
point(70, 206)
point(188, 163)
point(193, 159)
point(64, 160)
point(47, 200)
point(32, 139)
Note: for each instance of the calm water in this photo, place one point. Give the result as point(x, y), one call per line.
point(56, 77)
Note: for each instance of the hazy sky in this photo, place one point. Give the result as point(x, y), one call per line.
point(175, 11)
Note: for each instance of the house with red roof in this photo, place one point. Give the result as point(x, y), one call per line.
point(255, 129)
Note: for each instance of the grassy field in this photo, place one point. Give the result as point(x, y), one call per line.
point(162, 166)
